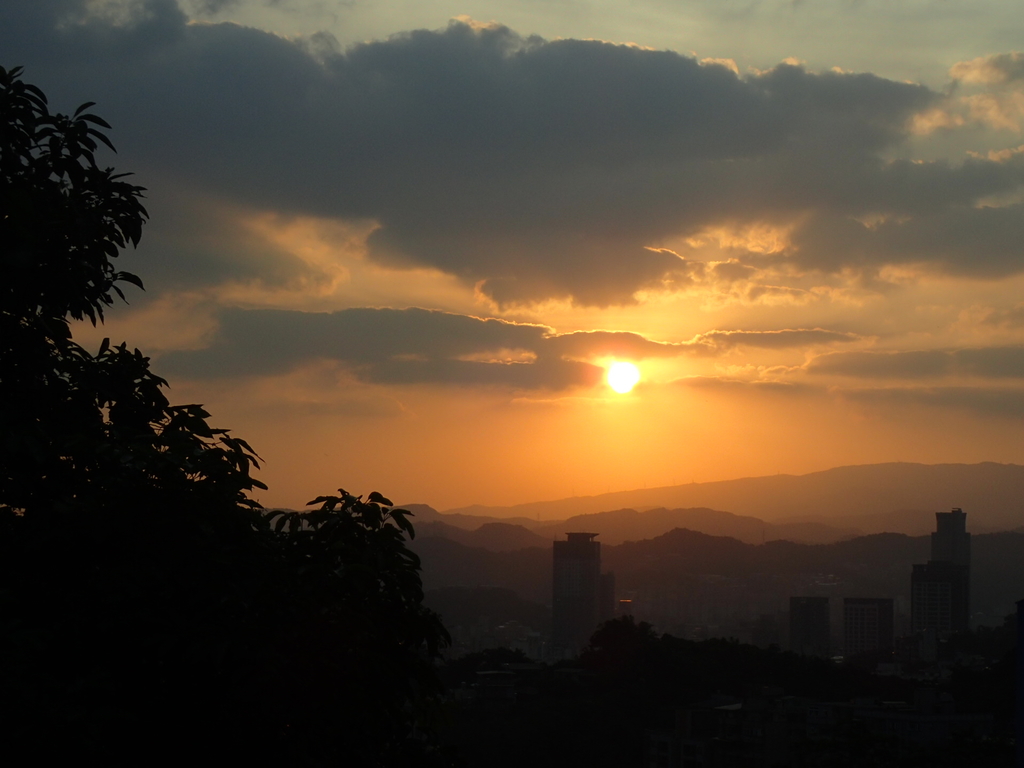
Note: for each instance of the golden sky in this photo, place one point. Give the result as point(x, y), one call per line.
point(396, 245)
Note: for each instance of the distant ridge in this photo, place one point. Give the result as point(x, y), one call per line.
point(497, 537)
point(424, 513)
point(615, 527)
point(618, 526)
point(863, 497)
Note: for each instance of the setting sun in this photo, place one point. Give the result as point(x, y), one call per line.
point(622, 377)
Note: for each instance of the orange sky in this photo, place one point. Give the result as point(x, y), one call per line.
point(403, 265)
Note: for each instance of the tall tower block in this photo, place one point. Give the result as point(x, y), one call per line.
point(940, 599)
point(951, 543)
point(576, 591)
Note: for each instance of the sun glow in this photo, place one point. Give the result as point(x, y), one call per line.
point(622, 377)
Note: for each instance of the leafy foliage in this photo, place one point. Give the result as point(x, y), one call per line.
point(77, 429)
point(64, 218)
point(149, 608)
point(356, 594)
point(294, 639)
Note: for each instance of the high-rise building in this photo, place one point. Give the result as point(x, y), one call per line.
point(576, 592)
point(940, 590)
point(939, 597)
point(809, 626)
point(951, 543)
point(867, 625)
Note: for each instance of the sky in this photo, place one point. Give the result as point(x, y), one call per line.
point(396, 245)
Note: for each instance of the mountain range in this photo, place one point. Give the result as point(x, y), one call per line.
point(818, 508)
point(988, 489)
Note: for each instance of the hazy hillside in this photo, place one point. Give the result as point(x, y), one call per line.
point(618, 526)
point(622, 525)
point(446, 563)
point(424, 513)
point(876, 565)
point(497, 537)
point(848, 497)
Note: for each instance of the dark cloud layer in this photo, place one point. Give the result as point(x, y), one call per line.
point(1001, 402)
point(1000, 362)
point(410, 346)
point(385, 345)
point(532, 168)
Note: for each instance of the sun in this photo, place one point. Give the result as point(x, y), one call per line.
point(622, 377)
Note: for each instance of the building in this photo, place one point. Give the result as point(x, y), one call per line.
point(940, 589)
point(576, 604)
point(809, 626)
point(939, 598)
point(867, 625)
point(951, 543)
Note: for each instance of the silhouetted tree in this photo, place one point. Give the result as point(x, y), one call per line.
point(462, 670)
point(622, 646)
point(150, 611)
point(77, 429)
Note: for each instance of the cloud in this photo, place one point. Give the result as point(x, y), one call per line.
point(997, 402)
point(1000, 362)
point(781, 339)
point(1004, 318)
point(997, 100)
point(762, 386)
point(530, 169)
point(210, 7)
point(993, 402)
point(589, 344)
point(403, 346)
point(408, 346)
point(999, 68)
point(913, 364)
point(377, 343)
point(198, 241)
point(983, 401)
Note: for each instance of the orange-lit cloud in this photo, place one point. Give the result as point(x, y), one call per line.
point(999, 68)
